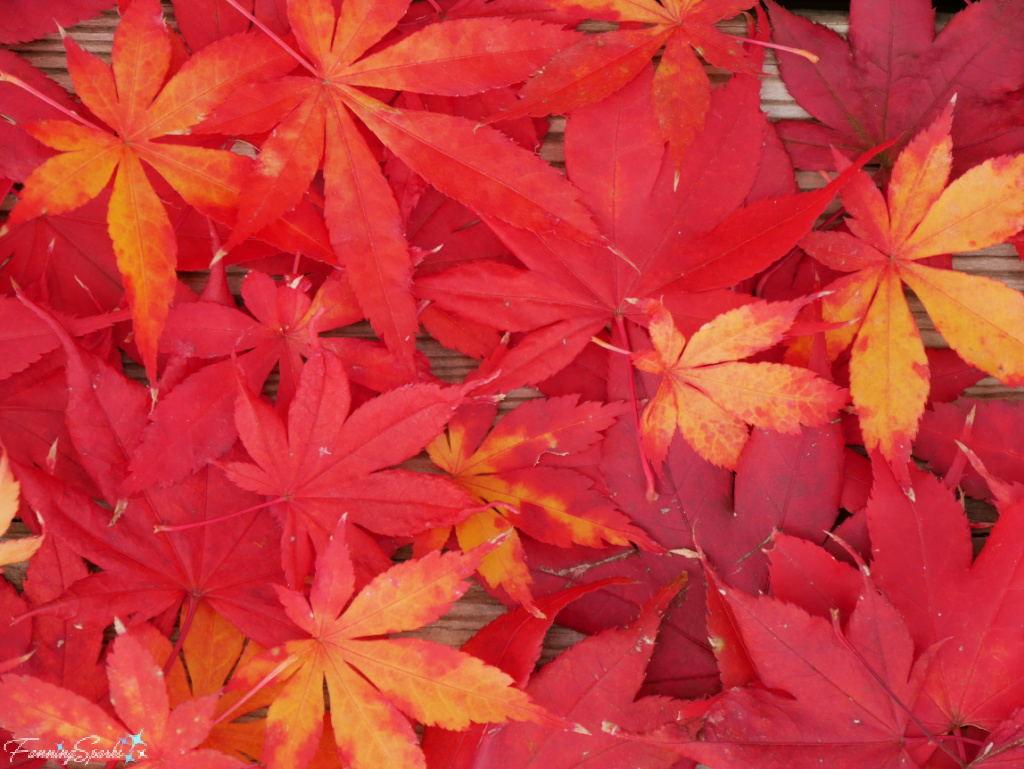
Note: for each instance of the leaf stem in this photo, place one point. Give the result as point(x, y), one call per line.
point(186, 624)
point(195, 525)
point(608, 346)
point(651, 493)
point(506, 506)
point(269, 33)
point(774, 46)
point(252, 692)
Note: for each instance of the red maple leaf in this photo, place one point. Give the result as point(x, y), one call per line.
point(193, 423)
point(828, 693)
point(146, 574)
point(922, 559)
point(783, 482)
point(893, 76)
point(326, 462)
point(682, 233)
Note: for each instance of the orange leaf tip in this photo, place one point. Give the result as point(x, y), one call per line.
point(221, 253)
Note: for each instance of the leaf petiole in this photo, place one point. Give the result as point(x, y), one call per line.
point(195, 525)
point(269, 33)
point(774, 46)
point(645, 463)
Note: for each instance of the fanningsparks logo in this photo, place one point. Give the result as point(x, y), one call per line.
point(130, 749)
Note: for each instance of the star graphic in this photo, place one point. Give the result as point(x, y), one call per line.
point(60, 746)
point(136, 740)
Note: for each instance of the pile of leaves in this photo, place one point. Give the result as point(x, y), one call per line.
point(743, 475)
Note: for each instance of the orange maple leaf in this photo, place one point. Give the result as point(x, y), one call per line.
point(712, 398)
point(982, 319)
point(553, 504)
point(132, 98)
point(372, 681)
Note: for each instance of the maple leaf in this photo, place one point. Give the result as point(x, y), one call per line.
point(194, 423)
point(133, 100)
point(894, 76)
point(981, 318)
point(144, 573)
point(327, 462)
point(828, 694)
point(712, 398)
point(689, 242)
point(556, 505)
point(316, 115)
point(598, 65)
point(150, 576)
point(372, 682)
point(72, 728)
point(922, 559)
point(595, 683)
